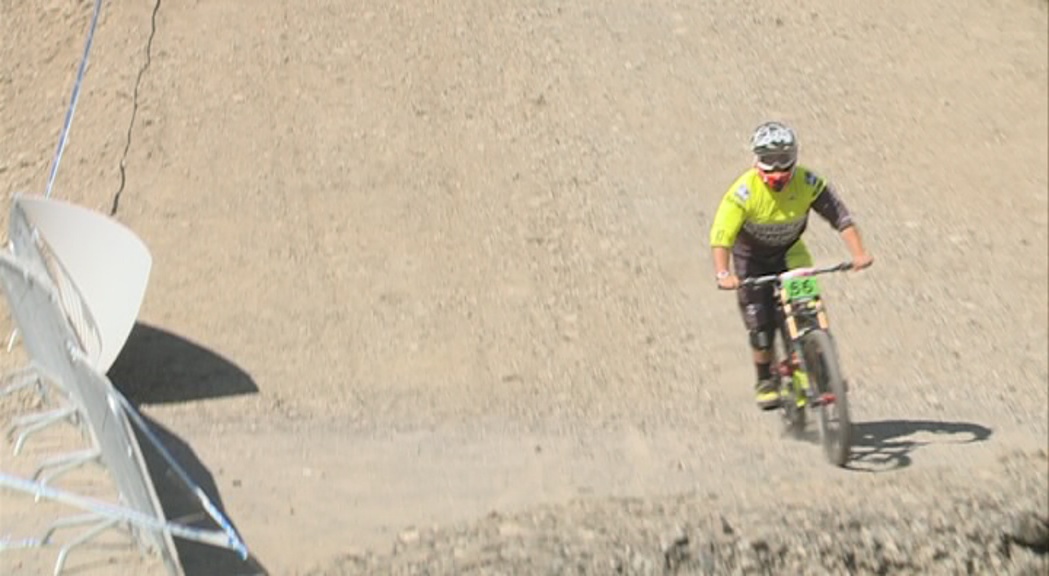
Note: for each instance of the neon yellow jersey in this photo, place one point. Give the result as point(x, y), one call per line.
point(756, 221)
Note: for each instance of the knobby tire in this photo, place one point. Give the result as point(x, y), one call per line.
point(825, 376)
point(793, 416)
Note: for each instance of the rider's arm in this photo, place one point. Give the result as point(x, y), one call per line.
point(721, 259)
point(727, 222)
point(829, 205)
point(851, 236)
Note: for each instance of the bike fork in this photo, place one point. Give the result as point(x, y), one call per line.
point(789, 369)
point(796, 372)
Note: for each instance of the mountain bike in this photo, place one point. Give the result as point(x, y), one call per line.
point(807, 371)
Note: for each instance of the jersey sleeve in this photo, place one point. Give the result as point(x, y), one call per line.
point(828, 203)
point(731, 213)
point(815, 183)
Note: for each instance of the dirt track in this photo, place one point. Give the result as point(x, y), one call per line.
point(418, 263)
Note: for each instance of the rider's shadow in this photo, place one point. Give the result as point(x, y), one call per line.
point(887, 445)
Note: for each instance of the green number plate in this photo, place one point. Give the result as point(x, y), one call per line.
point(801, 288)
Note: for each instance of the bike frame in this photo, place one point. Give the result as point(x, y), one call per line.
point(794, 319)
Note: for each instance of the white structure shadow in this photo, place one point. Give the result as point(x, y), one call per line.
point(75, 280)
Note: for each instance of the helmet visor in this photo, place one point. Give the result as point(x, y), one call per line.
point(775, 161)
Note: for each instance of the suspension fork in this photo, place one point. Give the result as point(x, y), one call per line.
point(790, 360)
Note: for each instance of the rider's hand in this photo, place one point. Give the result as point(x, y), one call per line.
point(861, 261)
point(730, 282)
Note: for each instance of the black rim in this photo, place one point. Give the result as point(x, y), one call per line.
point(830, 415)
point(792, 415)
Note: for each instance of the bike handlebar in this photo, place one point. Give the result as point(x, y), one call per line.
point(795, 273)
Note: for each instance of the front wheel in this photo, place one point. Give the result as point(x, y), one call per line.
point(824, 372)
point(792, 400)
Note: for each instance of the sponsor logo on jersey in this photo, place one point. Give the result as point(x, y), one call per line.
point(779, 234)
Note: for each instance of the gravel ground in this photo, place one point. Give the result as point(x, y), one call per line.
point(430, 291)
point(951, 529)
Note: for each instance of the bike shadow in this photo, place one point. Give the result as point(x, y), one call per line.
point(887, 445)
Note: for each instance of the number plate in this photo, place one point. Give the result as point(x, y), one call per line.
point(801, 288)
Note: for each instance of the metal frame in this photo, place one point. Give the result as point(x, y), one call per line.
point(57, 330)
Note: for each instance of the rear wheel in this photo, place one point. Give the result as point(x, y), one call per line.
point(825, 378)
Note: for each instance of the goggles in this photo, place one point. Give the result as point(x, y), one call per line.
point(776, 161)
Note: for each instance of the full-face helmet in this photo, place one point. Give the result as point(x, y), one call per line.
point(775, 150)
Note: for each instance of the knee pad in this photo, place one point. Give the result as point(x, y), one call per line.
point(761, 339)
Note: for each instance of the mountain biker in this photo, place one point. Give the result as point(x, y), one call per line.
point(761, 219)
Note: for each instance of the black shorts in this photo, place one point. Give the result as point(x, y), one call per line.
point(755, 303)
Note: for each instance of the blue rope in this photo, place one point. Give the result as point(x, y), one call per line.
point(72, 102)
